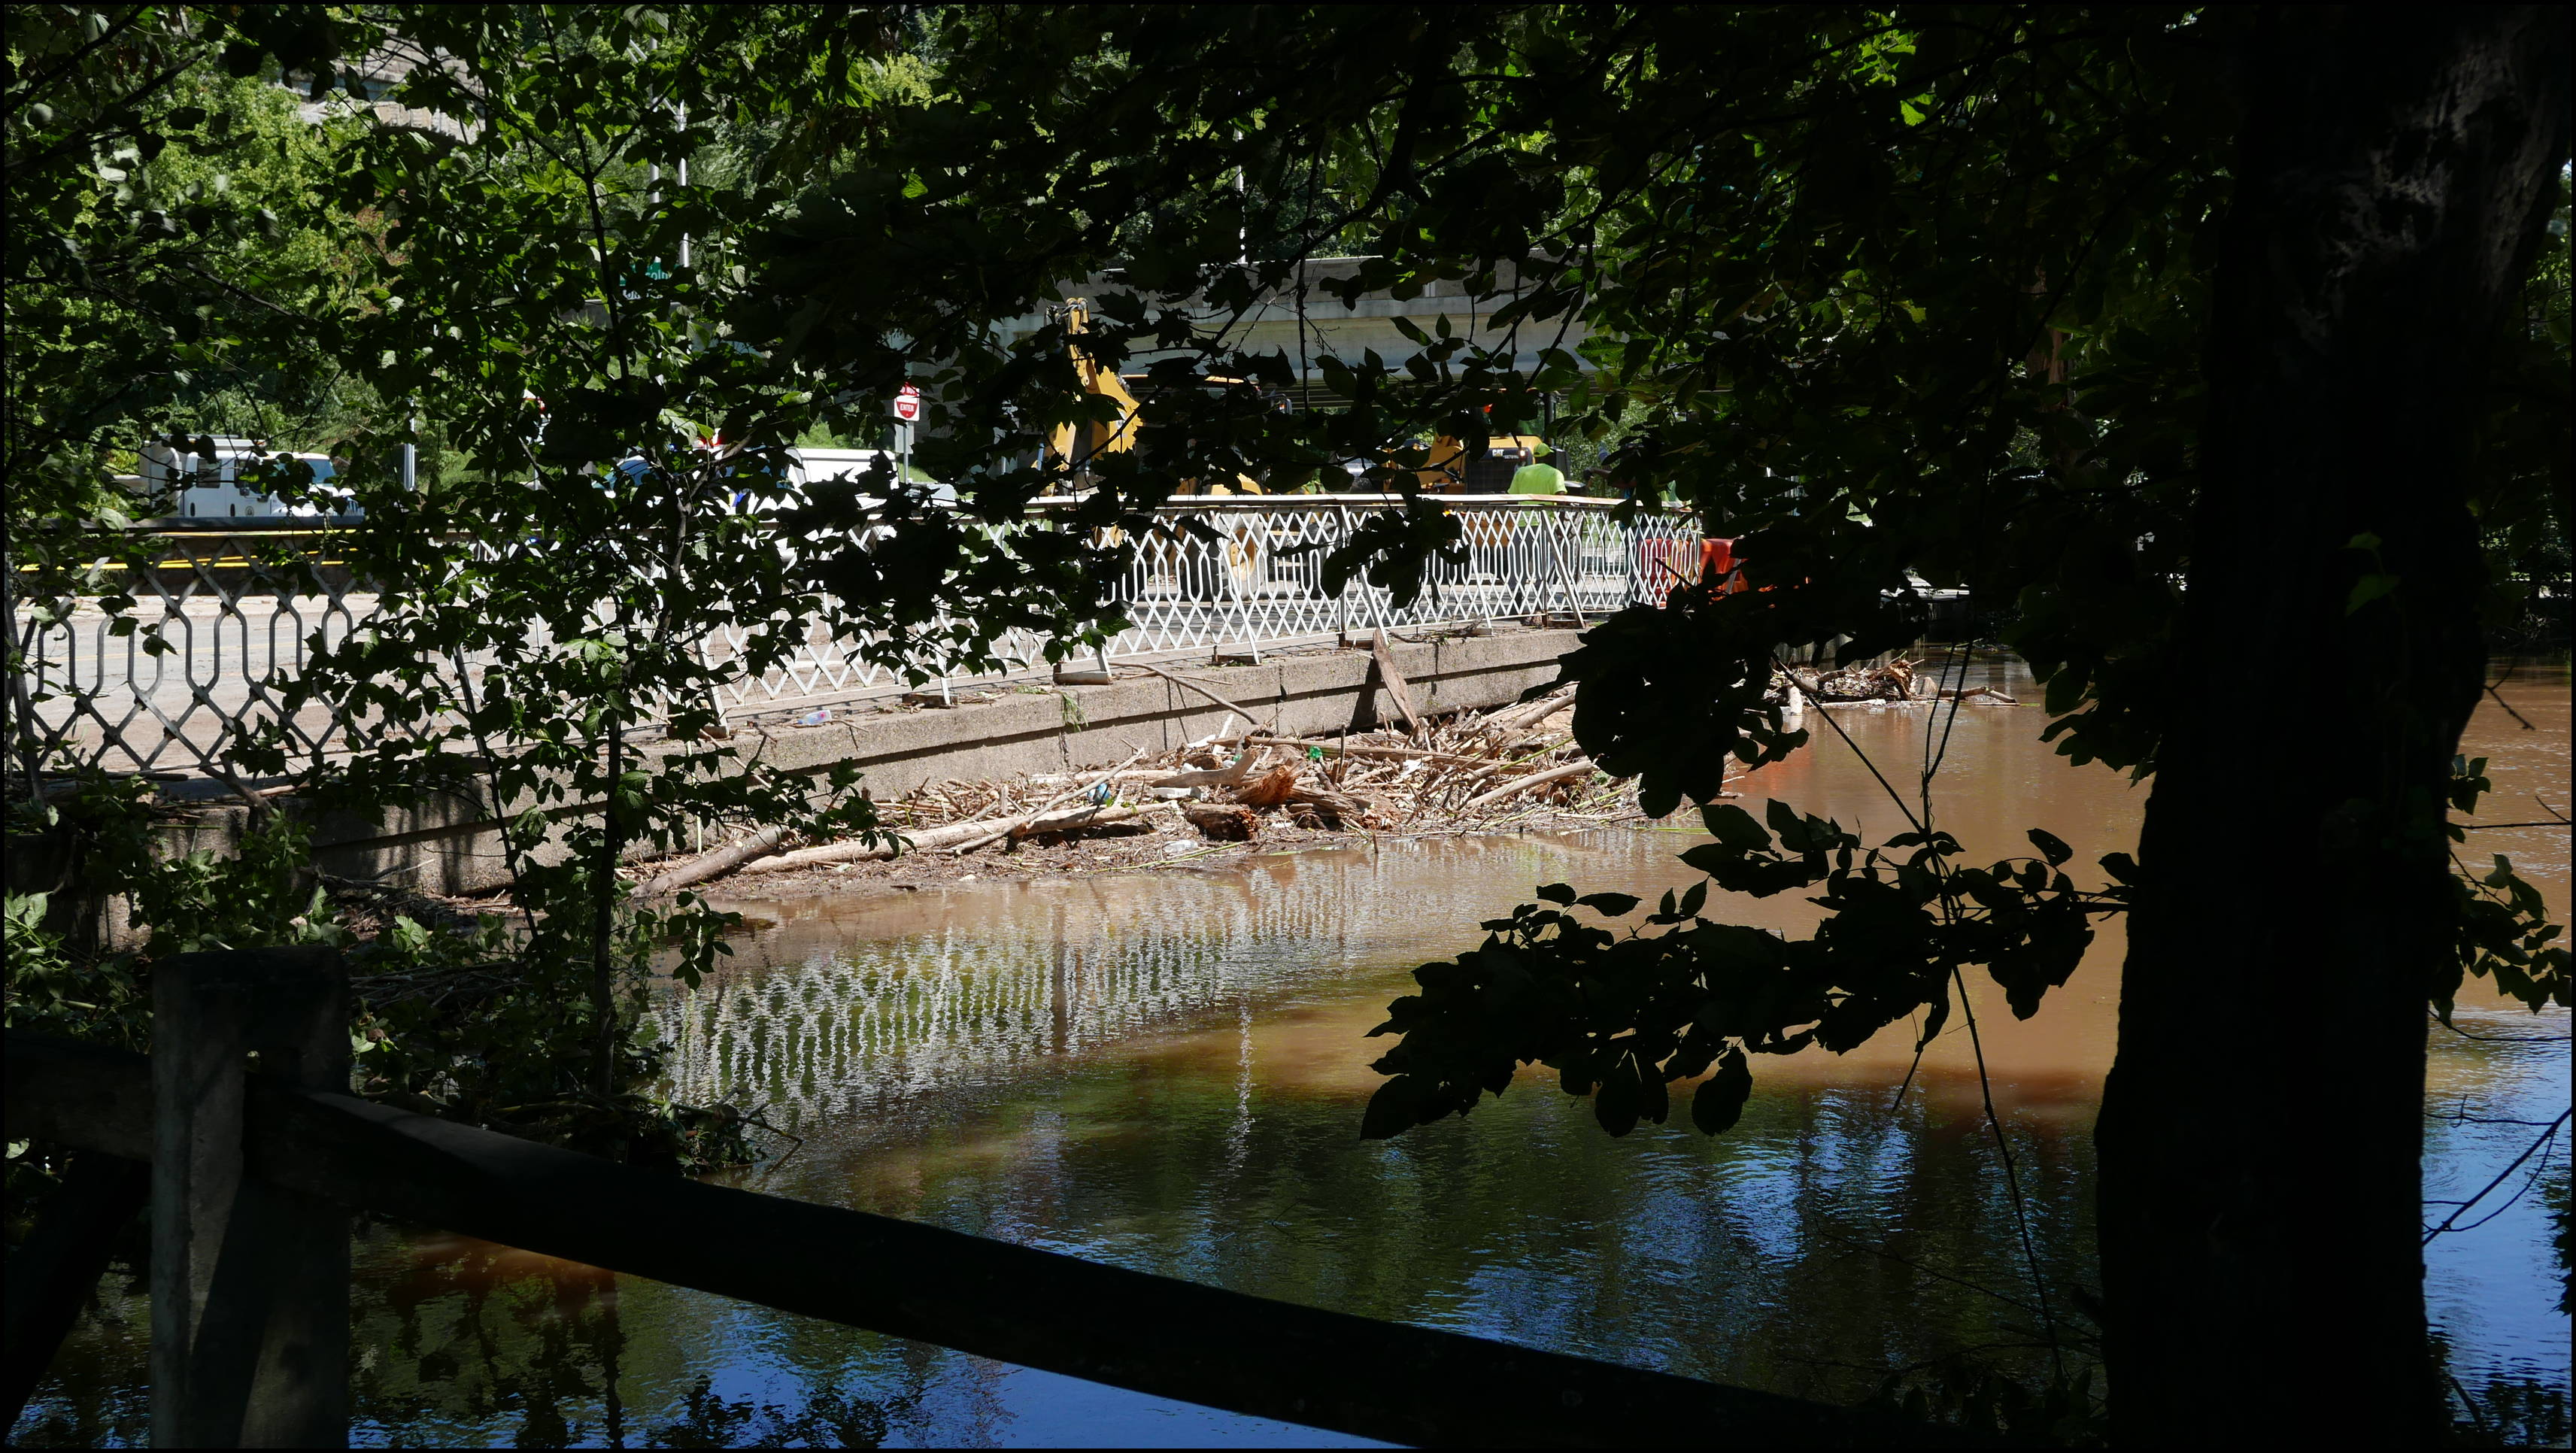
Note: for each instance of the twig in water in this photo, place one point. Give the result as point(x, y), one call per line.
point(2451, 1221)
point(2012, 1175)
point(1934, 756)
point(763, 1122)
point(1892, 793)
point(2507, 705)
point(2496, 1038)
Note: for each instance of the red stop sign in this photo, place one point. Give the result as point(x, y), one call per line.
point(907, 403)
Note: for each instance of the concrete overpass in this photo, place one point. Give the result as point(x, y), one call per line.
point(1323, 327)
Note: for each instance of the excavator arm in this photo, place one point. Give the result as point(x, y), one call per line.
point(1073, 445)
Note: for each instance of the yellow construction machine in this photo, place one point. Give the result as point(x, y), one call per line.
point(1097, 438)
point(1451, 469)
point(1074, 453)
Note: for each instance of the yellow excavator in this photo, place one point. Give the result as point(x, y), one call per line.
point(1096, 438)
point(1451, 470)
point(1074, 446)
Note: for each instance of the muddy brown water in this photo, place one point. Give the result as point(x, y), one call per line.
point(1166, 1070)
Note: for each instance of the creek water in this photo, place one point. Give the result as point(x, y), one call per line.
point(1166, 1071)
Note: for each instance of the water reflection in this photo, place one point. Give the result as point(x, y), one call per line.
point(835, 1013)
point(1165, 1071)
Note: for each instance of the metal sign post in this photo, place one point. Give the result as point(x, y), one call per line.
point(907, 412)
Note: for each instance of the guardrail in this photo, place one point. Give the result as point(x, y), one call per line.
point(252, 1178)
point(238, 611)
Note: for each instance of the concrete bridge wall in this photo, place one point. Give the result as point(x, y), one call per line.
point(454, 848)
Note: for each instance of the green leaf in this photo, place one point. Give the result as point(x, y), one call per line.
point(1610, 905)
point(1394, 1109)
point(1615, 1101)
point(1734, 827)
point(2368, 589)
point(1784, 821)
point(2051, 846)
point(1718, 1103)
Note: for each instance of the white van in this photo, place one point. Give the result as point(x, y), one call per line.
point(806, 467)
point(217, 492)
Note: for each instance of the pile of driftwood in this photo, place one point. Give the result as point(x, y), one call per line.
point(1473, 770)
point(1894, 680)
point(1466, 770)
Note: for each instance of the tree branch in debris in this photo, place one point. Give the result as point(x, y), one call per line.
point(1519, 785)
point(1247, 715)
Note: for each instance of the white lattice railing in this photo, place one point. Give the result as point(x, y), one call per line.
point(228, 616)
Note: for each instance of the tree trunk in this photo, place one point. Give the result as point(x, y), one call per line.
point(2262, 1130)
point(603, 925)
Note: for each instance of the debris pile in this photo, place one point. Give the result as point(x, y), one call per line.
point(1896, 680)
point(1893, 681)
point(1515, 766)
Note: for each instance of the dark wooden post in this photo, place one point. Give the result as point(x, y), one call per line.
point(250, 1283)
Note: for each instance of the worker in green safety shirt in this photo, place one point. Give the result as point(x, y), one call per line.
point(1538, 479)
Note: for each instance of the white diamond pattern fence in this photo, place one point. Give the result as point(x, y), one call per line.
point(176, 683)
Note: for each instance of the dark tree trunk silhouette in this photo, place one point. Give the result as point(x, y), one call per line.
point(2261, 1134)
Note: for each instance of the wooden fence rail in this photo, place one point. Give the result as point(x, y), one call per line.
point(319, 1152)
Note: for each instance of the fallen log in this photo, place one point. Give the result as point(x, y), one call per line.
point(856, 849)
point(1520, 718)
point(707, 865)
point(1077, 779)
point(1004, 829)
point(971, 834)
point(1076, 820)
point(1340, 807)
point(1519, 785)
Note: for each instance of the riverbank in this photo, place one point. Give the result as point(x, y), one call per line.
point(1159, 1066)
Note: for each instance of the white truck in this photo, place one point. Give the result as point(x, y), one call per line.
point(809, 466)
point(209, 487)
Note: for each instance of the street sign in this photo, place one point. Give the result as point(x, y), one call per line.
point(907, 404)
